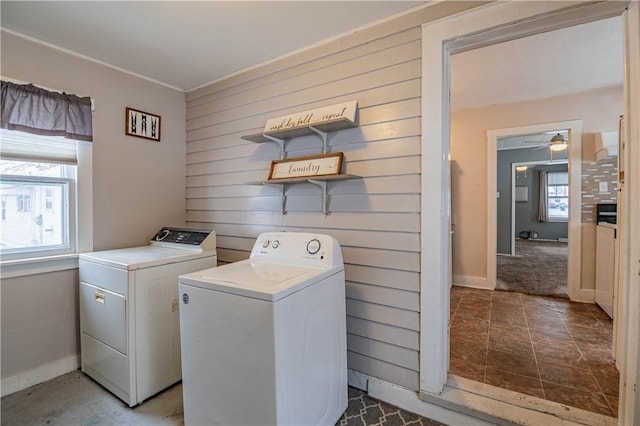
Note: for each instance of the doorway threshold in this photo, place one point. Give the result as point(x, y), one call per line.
point(502, 406)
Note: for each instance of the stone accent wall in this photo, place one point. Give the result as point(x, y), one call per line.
point(594, 172)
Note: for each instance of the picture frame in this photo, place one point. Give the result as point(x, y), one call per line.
point(306, 167)
point(142, 124)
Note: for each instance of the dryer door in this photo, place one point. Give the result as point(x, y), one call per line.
point(103, 316)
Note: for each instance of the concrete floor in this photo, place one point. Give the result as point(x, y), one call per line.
point(75, 399)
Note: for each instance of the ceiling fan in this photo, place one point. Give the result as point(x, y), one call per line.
point(557, 143)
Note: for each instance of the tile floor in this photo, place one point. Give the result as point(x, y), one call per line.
point(546, 347)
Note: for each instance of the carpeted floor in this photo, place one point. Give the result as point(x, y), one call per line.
point(539, 268)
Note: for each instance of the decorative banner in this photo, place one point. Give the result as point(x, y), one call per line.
point(324, 115)
point(313, 165)
point(142, 124)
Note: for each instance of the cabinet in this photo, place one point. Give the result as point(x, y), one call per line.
point(605, 267)
point(281, 138)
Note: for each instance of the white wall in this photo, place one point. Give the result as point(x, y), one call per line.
point(138, 186)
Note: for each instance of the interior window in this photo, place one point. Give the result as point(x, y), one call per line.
point(558, 196)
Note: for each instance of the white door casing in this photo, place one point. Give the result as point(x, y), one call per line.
point(482, 26)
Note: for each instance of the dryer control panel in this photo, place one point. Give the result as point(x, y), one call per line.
point(184, 238)
point(298, 248)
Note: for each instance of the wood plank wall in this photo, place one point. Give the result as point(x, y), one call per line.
point(375, 219)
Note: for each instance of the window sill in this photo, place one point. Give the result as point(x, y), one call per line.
point(39, 265)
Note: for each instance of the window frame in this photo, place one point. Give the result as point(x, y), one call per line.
point(84, 225)
point(551, 217)
point(70, 225)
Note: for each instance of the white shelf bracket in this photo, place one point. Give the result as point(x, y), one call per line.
point(323, 185)
point(323, 136)
point(279, 142)
point(283, 197)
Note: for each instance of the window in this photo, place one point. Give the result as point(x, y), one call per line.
point(38, 197)
point(558, 196)
point(45, 179)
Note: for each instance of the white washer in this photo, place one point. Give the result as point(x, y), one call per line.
point(129, 321)
point(264, 339)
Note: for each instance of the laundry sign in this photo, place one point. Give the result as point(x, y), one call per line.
point(310, 166)
point(314, 117)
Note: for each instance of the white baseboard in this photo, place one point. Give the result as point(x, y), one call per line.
point(465, 402)
point(40, 374)
point(585, 296)
point(473, 282)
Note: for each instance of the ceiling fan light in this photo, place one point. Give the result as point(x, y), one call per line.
point(558, 146)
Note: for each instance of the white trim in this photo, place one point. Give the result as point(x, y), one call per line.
point(465, 402)
point(482, 26)
point(435, 219)
point(38, 265)
point(585, 295)
point(629, 228)
point(39, 374)
point(472, 282)
point(84, 197)
point(575, 196)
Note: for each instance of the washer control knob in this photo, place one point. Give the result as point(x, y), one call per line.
point(265, 244)
point(275, 244)
point(313, 246)
point(162, 234)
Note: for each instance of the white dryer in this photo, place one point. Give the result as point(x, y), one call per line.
point(264, 339)
point(129, 321)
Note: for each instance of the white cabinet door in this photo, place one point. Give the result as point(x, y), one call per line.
point(605, 267)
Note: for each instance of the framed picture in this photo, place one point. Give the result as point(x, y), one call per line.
point(310, 166)
point(142, 124)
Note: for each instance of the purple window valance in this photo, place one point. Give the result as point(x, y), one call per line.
point(31, 109)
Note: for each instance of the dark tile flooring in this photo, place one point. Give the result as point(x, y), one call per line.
point(546, 347)
point(366, 411)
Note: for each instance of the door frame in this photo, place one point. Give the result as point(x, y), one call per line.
point(482, 26)
point(575, 209)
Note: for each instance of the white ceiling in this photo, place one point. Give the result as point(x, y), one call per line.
point(186, 44)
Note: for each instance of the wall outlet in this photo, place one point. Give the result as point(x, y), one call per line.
point(603, 187)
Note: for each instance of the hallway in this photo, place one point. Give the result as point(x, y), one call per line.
point(549, 348)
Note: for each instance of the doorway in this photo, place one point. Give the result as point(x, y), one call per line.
point(532, 229)
point(487, 25)
point(574, 157)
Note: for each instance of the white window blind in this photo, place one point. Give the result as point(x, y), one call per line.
point(15, 145)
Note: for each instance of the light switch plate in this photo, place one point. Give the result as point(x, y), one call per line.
point(603, 187)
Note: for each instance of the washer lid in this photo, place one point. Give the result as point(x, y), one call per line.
point(261, 280)
point(142, 257)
